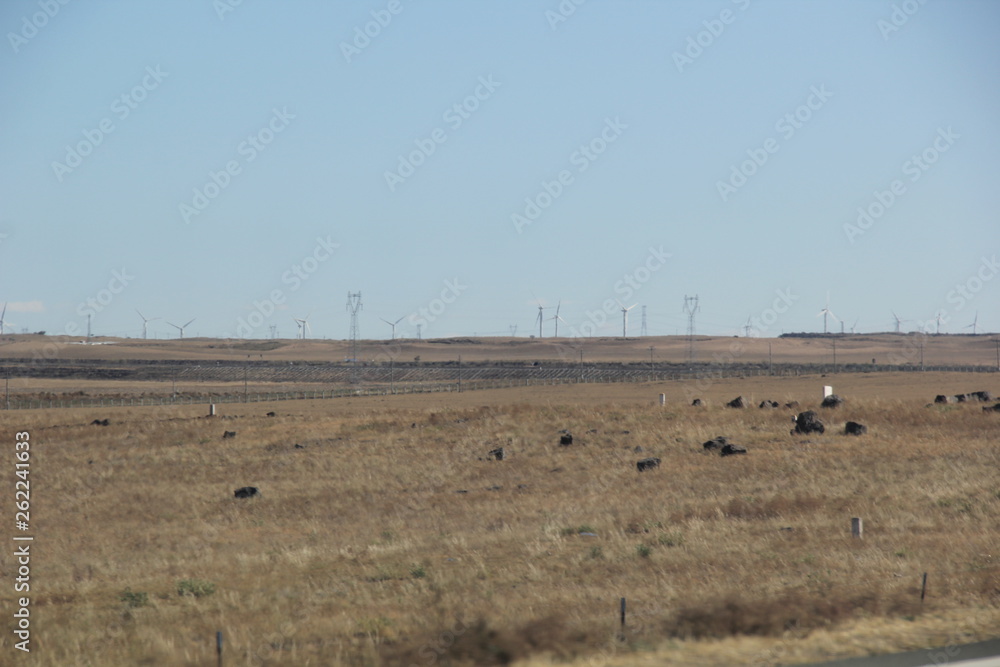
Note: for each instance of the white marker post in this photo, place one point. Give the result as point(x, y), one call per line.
point(856, 527)
point(663, 400)
point(827, 390)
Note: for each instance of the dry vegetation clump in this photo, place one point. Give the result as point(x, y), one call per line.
point(386, 535)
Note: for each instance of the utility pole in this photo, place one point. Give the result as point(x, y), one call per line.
point(460, 374)
point(88, 328)
point(353, 306)
point(246, 368)
point(642, 331)
point(834, 356)
point(770, 360)
point(997, 341)
point(274, 331)
point(418, 331)
point(691, 308)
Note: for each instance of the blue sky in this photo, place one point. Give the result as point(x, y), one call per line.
point(462, 159)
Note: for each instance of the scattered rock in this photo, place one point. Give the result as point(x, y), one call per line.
point(498, 454)
point(854, 428)
point(100, 422)
point(768, 404)
point(493, 488)
point(787, 528)
point(738, 402)
point(563, 430)
point(272, 414)
point(566, 439)
point(626, 432)
point(729, 450)
point(647, 464)
point(983, 396)
point(995, 408)
point(941, 398)
point(228, 434)
point(832, 401)
point(462, 491)
point(717, 442)
point(961, 398)
point(298, 446)
point(792, 404)
point(247, 492)
point(697, 403)
point(637, 449)
point(807, 422)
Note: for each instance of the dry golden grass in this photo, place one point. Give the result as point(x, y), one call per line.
point(387, 539)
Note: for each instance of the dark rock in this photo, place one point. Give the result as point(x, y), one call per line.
point(807, 422)
point(100, 422)
point(983, 396)
point(626, 432)
point(493, 488)
point(563, 430)
point(832, 401)
point(854, 428)
point(941, 398)
point(729, 450)
point(717, 442)
point(638, 449)
point(298, 446)
point(566, 440)
point(697, 403)
point(271, 414)
point(247, 492)
point(462, 491)
point(647, 464)
point(498, 454)
point(792, 404)
point(228, 434)
point(961, 398)
point(738, 402)
point(995, 408)
point(768, 404)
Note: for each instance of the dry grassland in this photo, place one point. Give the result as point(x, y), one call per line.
point(386, 538)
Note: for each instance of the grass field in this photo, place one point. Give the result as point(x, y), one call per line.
point(387, 538)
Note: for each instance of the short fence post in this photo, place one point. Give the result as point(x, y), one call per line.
point(856, 527)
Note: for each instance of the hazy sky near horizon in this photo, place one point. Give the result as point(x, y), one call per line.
point(247, 164)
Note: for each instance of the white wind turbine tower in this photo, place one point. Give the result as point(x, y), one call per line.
point(556, 318)
point(625, 317)
point(3, 320)
point(826, 312)
point(393, 325)
point(854, 326)
point(898, 321)
point(541, 316)
point(303, 325)
point(937, 320)
point(973, 326)
point(145, 321)
point(182, 327)
point(748, 327)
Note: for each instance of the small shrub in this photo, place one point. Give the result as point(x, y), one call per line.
point(195, 587)
point(643, 551)
point(596, 553)
point(580, 529)
point(134, 600)
point(674, 539)
point(418, 572)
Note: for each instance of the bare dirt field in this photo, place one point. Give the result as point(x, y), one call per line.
point(385, 535)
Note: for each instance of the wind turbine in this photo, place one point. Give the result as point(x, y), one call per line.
point(826, 312)
point(898, 321)
point(972, 326)
point(3, 321)
point(393, 325)
point(182, 327)
point(556, 318)
point(625, 317)
point(303, 325)
point(937, 320)
point(747, 328)
point(145, 320)
point(540, 317)
point(853, 326)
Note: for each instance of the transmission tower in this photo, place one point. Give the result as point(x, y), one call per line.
point(353, 306)
point(513, 330)
point(691, 307)
point(642, 331)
